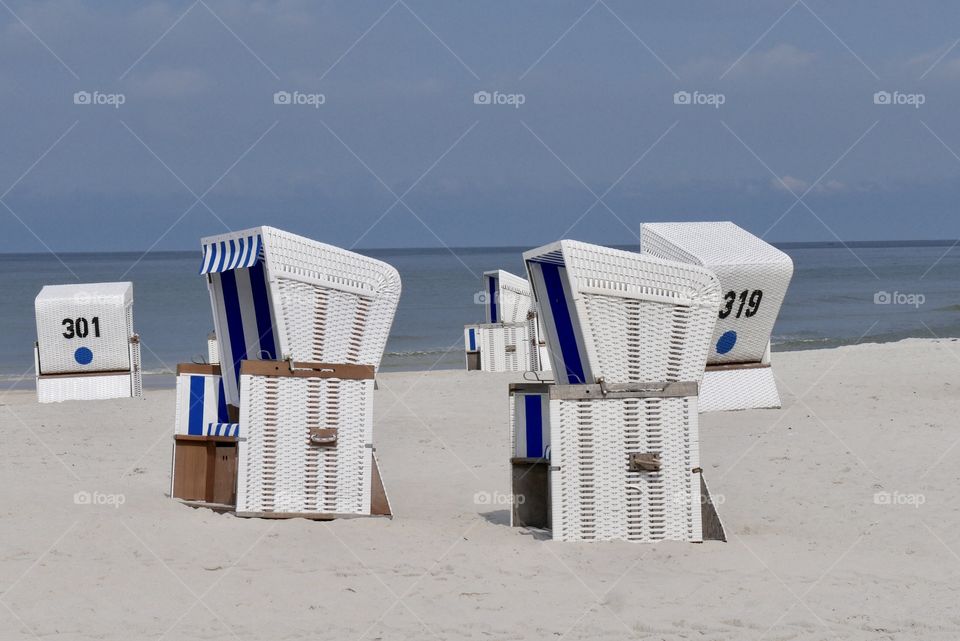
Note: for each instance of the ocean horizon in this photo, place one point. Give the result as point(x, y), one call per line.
point(841, 294)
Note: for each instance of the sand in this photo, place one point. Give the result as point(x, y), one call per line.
point(840, 511)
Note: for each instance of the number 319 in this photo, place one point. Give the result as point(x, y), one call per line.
point(748, 299)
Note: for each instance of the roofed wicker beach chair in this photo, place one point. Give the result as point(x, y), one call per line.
point(86, 348)
point(629, 336)
point(301, 327)
point(754, 277)
point(510, 339)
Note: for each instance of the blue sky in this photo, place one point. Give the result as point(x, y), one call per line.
point(399, 154)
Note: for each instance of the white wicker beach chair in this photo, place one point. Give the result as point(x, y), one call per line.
point(630, 335)
point(508, 298)
point(620, 316)
point(86, 348)
point(301, 328)
point(510, 339)
point(754, 277)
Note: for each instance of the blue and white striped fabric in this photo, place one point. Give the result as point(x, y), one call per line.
point(223, 429)
point(243, 314)
point(532, 424)
point(201, 401)
point(236, 253)
point(561, 324)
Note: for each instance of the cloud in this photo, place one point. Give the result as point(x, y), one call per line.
point(781, 58)
point(943, 61)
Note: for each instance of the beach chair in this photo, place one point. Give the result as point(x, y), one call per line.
point(754, 277)
point(86, 348)
point(510, 338)
point(295, 321)
point(629, 336)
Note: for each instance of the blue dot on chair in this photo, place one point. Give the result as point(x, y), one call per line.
point(83, 355)
point(726, 342)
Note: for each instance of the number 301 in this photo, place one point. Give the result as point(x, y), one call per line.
point(80, 328)
point(748, 299)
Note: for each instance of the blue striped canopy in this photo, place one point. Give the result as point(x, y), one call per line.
point(236, 253)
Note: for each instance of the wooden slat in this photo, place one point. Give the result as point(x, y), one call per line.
point(210, 439)
point(198, 368)
point(189, 472)
point(379, 503)
point(542, 388)
point(622, 390)
point(712, 526)
point(728, 366)
point(112, 372)
point(307, 370)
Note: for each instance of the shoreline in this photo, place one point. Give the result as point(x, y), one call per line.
point(154, 380)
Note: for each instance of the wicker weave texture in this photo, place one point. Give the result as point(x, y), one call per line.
point(336, 306)
point(280, 470)
point(91, 386)
point(743, 263)
point(68, 334)
point(739, 389)
point(636, 318)
point(213, 352)
point(514, 297)
point(595, 495)
point(83, 388)
point(506, 347)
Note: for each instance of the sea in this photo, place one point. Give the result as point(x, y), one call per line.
point(865, 292)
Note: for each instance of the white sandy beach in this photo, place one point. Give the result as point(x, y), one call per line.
point(812, 554)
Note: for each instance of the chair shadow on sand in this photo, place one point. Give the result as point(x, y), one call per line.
point(502, 517)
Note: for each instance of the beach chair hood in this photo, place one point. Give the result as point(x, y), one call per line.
point(279, 296)
point(754, 276)
point(621, 316)
point(509, 298)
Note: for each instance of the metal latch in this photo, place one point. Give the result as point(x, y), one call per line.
point(644, 461)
